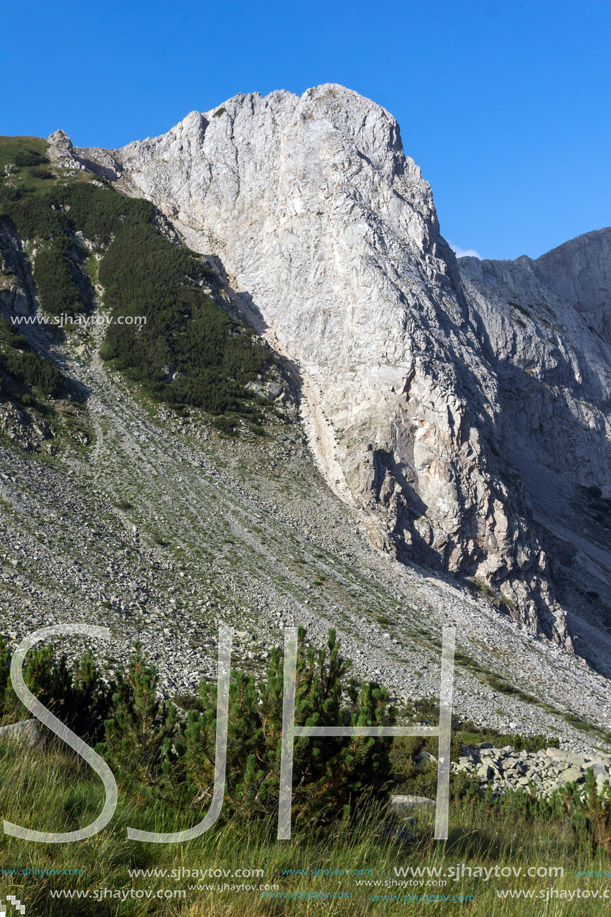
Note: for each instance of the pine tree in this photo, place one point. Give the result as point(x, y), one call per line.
point(138, 735)
point(329, 772)
point(91, 699)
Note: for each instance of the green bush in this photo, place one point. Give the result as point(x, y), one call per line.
point(42, 173)
point(55, 276)
point(152, 747)
point(225, 425)
point(166, 760)
point(76, 694)
point(139, 733)
point(589, 811)
point(172, 757)
point(21, 368)
point(330, 774)
point(213, 356)
point(29, 157)
point(10, 194)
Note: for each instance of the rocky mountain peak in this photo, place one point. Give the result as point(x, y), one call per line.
point(329, 238)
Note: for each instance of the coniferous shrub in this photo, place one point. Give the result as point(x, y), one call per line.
point(139, 731)
point(77, 694)
point(54, 273)
point(329, 773)
point(21, 367)
point(41, 173)
point(153, 287)
point(150, 747)
point(28, 157)
point(588, 809)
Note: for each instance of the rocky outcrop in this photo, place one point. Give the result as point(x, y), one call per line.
point(15, 297)
point(25, 428)
point(28, 733)
point(501, 770)
point(330, 240)
point(548, 325)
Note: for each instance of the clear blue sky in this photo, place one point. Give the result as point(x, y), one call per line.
point(506, 106)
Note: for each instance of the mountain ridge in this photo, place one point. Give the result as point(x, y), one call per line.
point(160, 526)
point(329, 232)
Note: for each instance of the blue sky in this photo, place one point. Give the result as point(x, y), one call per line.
point(505, 106)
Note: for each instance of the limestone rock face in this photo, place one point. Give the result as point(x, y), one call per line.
point(548, 324)
point(328, 233)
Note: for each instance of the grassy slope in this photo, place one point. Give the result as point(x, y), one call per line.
point(53, 792)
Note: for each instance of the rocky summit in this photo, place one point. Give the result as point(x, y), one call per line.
point(325, 419)
point(460, 407)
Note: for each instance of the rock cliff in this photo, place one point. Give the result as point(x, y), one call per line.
point(414, 373)
point(548, 324)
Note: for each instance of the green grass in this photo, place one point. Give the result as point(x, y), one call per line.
point(51, 790)
point(579, 723)
point(16, 149)
point(504, 687)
